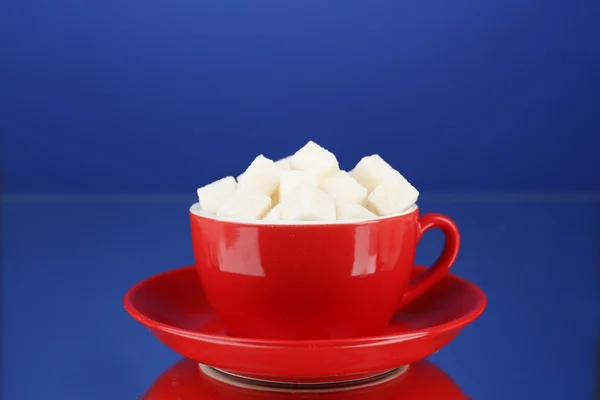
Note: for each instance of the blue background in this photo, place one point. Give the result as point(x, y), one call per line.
point(161, 96)
point(113, 112)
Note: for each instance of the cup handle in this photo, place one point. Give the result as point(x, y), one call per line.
point(442, 265)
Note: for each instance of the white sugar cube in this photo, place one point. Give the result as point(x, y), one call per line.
point(393, 196)
point(353, 211)
point(274, 214)
point(343, 188)
point(275, 197)
point(308, 203)
point(284, 163)
point(262, 174)
point(315, 159)
point(214, 194)
point(291, 179)
point(247, 203)
point(371, 171)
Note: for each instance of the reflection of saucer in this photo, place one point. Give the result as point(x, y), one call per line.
point(186, 381)
point(172, 306)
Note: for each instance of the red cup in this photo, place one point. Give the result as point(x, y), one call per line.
point(314, 280)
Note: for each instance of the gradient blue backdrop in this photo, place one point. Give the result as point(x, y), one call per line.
point(160, 97)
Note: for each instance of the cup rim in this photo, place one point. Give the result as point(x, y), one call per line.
point(196, 211)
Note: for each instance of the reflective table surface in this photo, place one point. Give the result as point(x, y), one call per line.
point(68, 262)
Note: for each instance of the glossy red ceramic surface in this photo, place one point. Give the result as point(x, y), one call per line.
point(173, 307)
point(422, 381)
point(315, 281)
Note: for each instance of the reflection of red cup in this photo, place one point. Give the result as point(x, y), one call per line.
point(422, 381)
point(314, 280)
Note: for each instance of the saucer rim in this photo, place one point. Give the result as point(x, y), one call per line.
point(476, 310)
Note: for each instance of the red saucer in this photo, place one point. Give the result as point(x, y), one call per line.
point(174, 309)
point(185, 381)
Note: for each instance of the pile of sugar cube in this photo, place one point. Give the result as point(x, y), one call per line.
point(309, 186)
